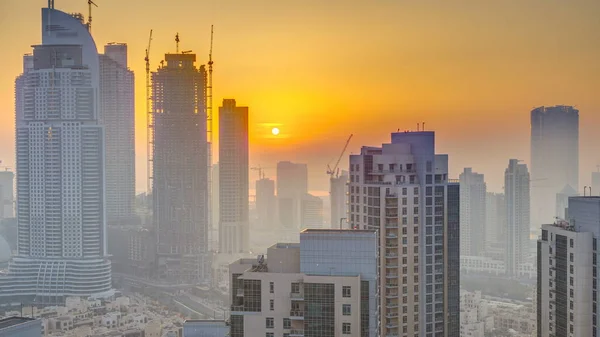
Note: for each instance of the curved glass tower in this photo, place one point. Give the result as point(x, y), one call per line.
point(60, 169)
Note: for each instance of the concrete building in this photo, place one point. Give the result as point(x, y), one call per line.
point(324, 286)
point(567, 279)
point(495, 225)
point(7, 200)
point(266, 204)
point(402, 190)
point(595, 183)
point(311, 212)
point(60, 160)
point(516, 191)
point(554, 158)
point(117, 105)
point(205, 328)
point(180, 170)
point(338, 199)
point(20, 327)
point(234, 221)
point(292, 185)
point(472, 213)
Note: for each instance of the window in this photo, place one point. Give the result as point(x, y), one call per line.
point(271, 305)
point(295, 288)
point(571, 243)
point(346, 291)
point(269, 334)
point(271, 287)
point(270, 323)
point(287, 323)
point(404, 191)
point(346, 309)
point(571, 257)
point(346, 328)
point(416, 191)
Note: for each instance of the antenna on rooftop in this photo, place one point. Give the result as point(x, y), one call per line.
point(51, 4)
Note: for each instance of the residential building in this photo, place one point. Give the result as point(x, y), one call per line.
point(7, 200)
point(554, 158)
point(292, 185)
point(324, 286)
point(472, 213)
point(495, 225)
point(60, 160)
point(20, 327)
point(311, 212)
point(266, 203)
point(516, 191)
point(117, 106)
point(567, 279)
point(180, 170)
point(205, 328)
point(338, 199)
point(233, 178)
point(402, 190)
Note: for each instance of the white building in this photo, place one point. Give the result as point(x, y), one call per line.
point(234, 225)
point(60, 160)
point(324, 286)
point(402, 190)
point(567, 272)
point(472, 213)
point(516, 191)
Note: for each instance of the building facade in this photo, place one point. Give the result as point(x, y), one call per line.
point(472, 213)
point(7, 199)
point(338, 199)
point(234, 225)
point(117, 103)
point(495, 225)
point(292, 185)
point(402, 190)
point(311, 212)
point(516, 191)
point(266, 203)
point(20, 327)
point(60, 159)
point(180, 170)
point(205, 328)
point(554, 134)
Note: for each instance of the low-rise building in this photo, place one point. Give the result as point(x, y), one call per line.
point(20, 327)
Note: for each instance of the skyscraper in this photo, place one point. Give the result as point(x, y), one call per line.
point(292, 185)
point(60, 165)
point(338, 199)
point(595, 183)
point(567, 278)
point(233, 178)
point(402, 190)
point(554, 158)
point(495, 223)
point(7, 199)
point(472, 213)
point(311, 212)
point(117, 117)
point(266, 203)
point(180, 170)
point(516, 191)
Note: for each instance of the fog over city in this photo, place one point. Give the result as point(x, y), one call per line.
point(283, 168)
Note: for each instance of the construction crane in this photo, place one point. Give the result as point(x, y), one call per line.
point(149, 119)
point(209, 125)
point(261, 171)
point(177, 43)
point(89, 23)
point(333, 172)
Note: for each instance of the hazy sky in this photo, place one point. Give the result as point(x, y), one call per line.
point(471, 70)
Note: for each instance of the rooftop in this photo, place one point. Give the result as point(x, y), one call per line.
point(12, 321)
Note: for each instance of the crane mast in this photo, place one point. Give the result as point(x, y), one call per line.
point(209, 124)
point(149, 120)
point(333, 172)
point(89, 23)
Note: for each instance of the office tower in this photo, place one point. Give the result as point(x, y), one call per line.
point(6, 194)
point(402, 190)
point(567, 282)
point(495, 223)
point(595, 183)
point(516, 191)
point(472, 213)
point(205, 328)
point(311, 212)
point(324, 286)
point(118, 114)
point(562, 201)
point(266, 203)
point(60, 165)
point(180, 170)
point(20, 327)
point(338, 199)
point(554, 158)
point(233, 178)
point(292, 185)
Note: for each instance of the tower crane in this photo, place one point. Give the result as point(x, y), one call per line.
point(333, 172)
point(149, 119)
point(89, 23)
point(261, 171)
point(177, 43)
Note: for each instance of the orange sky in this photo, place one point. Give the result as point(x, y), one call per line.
point(470, 69)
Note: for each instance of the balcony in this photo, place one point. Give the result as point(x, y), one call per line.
point(391, 225)
point(391, 215)
point(297, 296)
point(391, 285)
point(391, 236)
point(297, 315)
point(296, 333)
point(391, 255)
point(391, 295)
point(391, 325)
point(237, 308)
point(390, 305)
point(240, 292)
point(391, 276)
point(391, 315)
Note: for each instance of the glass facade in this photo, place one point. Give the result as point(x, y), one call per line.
point(319, 319)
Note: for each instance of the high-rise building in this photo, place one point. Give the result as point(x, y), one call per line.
point(292, 185)
point(516, 191)
point(495, 223)
point(595, 183)
point(266, 203)
point(324, 286)
point(562, 201)
point(118, 114)
point(472, 213)
point(233, 178)
point(311, 212)
point(338, 199)
point(402, 190)
point(7, 199)
point(567, 281)
point(554, 158)
point(60, 165)
point(180, 170)
point(214, 208)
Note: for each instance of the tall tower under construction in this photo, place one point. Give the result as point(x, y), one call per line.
point(180, 169)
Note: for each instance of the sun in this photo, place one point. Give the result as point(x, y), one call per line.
point(275, 131)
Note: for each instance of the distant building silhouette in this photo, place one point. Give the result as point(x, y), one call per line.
point(266, 203)
point(495, 223)
point(516, 191)
point(596, 183)
point(292, 185)
point(311, 212)
point(7, 199)
point(338, 199)
point(472, 213)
